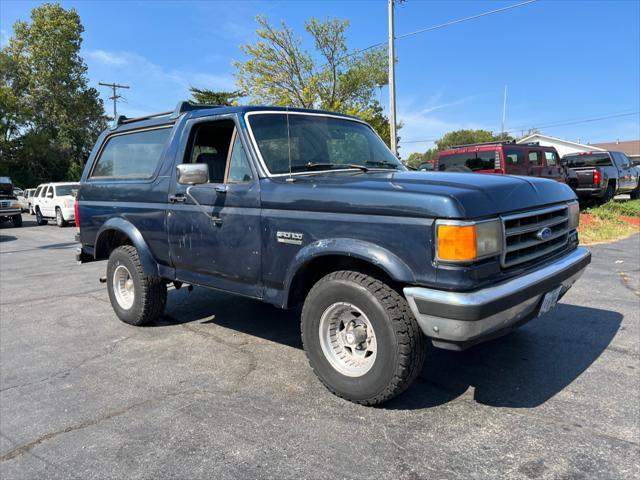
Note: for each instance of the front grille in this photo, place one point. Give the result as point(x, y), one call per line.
point(523, 241)
point(5, 203)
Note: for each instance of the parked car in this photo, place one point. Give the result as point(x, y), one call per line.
point(22, 198)
point(299, 207)
point(529, 159)
point(602, 175)
point(29, 193)
point(9, 205)
point(425, 167)
point(55, 201)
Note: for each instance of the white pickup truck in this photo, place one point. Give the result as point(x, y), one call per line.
point(55, 201)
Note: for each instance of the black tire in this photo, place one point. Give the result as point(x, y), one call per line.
point(39, 219)
point(16, 220)
point(635, 194)
point(149, 292)
point(608, 194)
point(400, 342)
point(60, 221)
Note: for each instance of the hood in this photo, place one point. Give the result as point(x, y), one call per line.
point(428, 194)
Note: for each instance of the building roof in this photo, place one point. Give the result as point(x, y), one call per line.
point(537, 136)
point(629, 147)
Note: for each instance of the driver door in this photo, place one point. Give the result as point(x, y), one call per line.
point(214, 228)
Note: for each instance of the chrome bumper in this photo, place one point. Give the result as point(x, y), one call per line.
point(456, 320)
point(8, 212)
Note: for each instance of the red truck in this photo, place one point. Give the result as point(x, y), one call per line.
point(529, 159)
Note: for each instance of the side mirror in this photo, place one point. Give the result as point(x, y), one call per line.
point(193, 173)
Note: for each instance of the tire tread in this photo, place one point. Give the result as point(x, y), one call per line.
point(411, 341)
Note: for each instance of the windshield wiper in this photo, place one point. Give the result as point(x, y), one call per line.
point(382, 163)
point(327, 166)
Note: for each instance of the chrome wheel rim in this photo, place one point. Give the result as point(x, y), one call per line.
point(347, 339)
point(59, 216)
point(123, 288)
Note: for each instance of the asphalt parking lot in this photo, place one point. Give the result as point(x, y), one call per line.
point(221, 389)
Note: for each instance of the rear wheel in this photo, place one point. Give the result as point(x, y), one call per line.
point(39, 219)
point(608, 194)
point(635, 194)
point(361, 338)
point(137, 298)
point(60, 221)
point(16, 220)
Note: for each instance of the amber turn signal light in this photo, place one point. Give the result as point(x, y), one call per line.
point(457, 243)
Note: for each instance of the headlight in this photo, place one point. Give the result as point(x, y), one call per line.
point(574, 215)
point(458, 241)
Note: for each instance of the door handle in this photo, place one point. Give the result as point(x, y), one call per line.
point(177, 198)
point(216, 220)
point(221, 189)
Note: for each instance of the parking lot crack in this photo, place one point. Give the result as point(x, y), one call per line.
point(109, 349)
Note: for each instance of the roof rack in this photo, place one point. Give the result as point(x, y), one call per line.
point(183, 106)
point(496, 142)
point(124, 120)
point(187, 106)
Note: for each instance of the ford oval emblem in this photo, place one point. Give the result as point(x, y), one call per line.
point(544, 234)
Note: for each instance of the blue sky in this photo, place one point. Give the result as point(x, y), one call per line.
point(563, 61)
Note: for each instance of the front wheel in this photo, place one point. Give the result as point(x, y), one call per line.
point(137, 298)
point(360, 337)
point(39, 219)
point(60, 221)
point(16, 220)
point(635, 194)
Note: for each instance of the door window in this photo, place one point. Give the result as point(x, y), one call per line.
point(238, 170)
point(551, 158)
point(534, 158)
point(513, 157)
point(210, 144)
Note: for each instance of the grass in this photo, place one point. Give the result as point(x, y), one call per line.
point(605, 223)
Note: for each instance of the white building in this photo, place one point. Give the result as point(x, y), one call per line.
point(564, 147)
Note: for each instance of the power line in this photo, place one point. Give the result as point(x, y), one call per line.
point(549, 125)
point(115, 96)
point(442, 25)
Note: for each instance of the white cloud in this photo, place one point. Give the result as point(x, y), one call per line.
point(105, 57)
point(152, 86)
point(4, 38)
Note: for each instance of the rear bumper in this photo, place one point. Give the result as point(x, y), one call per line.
point(590, 192)
point(457, 320)
point(68, 214)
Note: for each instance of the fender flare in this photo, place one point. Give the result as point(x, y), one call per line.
point(119, 224)
point(369, 252)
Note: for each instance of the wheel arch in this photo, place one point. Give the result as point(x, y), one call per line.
point(118, 231)
point(325, 256)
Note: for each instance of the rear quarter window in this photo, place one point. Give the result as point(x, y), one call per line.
point(134, 155)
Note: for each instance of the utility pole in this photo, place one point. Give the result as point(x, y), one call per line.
point(504, 110)
point(115, 96)
point(392, 81)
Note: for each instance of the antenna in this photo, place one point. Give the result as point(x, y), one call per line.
point(290, 179)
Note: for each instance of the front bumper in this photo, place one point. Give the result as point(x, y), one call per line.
point(457, 320)
point(9, 212)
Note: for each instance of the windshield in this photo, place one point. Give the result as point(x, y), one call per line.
point(62, 190)
point(472, 160)
point(588, 160)
point(318, 143)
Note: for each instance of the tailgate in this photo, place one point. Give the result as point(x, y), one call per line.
point(584, 176)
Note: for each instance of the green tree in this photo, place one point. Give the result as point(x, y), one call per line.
point(51, 117)
point(463, 137)
point(279, 71)
point(211, 97)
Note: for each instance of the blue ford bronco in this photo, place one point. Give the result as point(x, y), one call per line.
point(310, 209)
